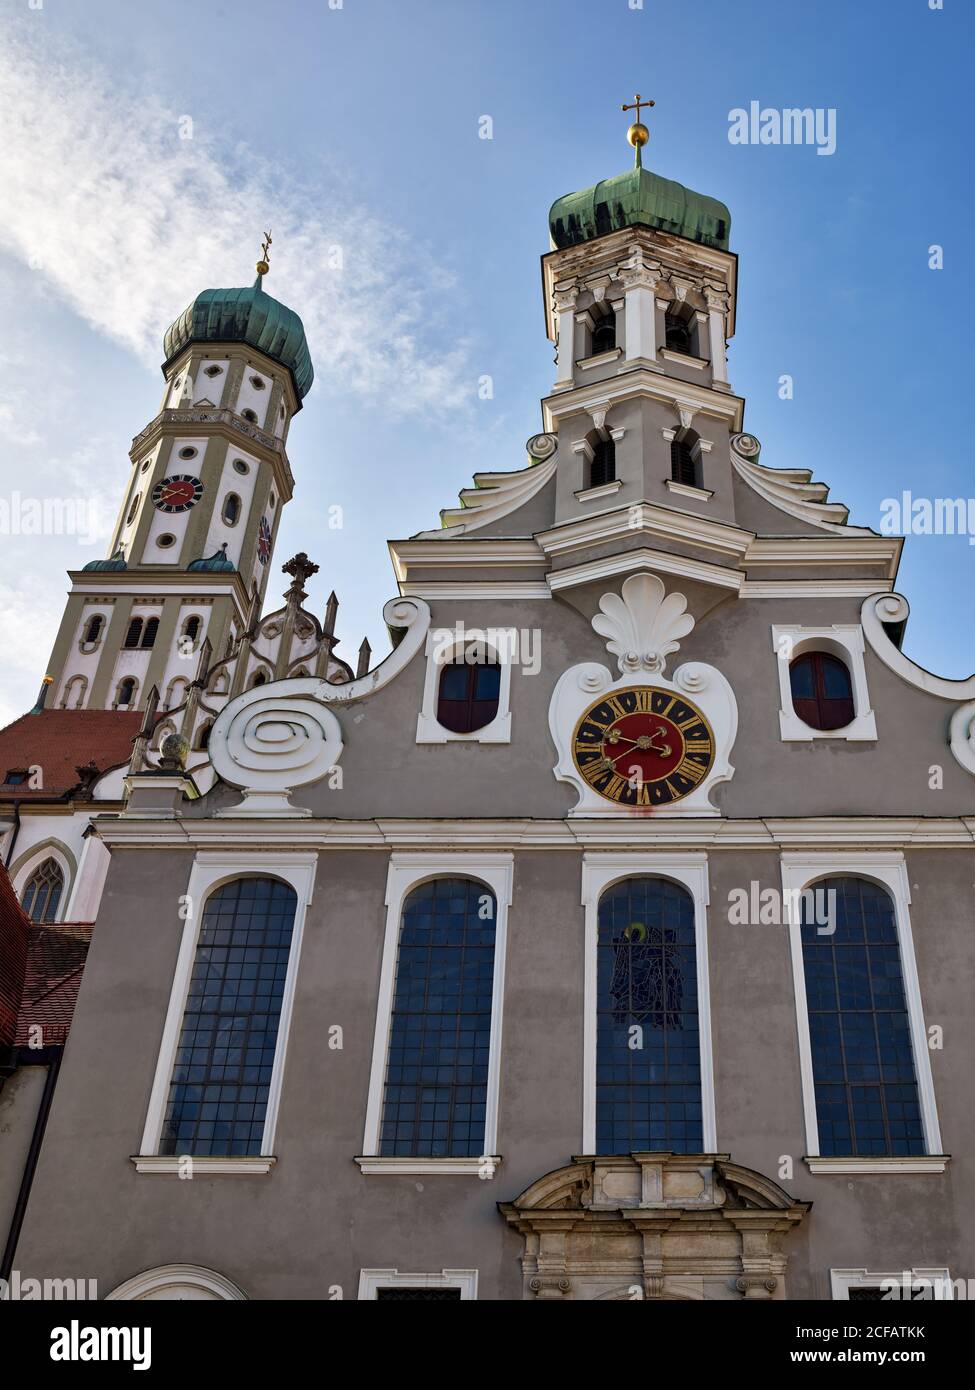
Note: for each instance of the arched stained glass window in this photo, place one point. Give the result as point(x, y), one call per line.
point(225, 1056)
point(648, 1058)
point(435, 1098)
point(42, 893)
point(859, 1028)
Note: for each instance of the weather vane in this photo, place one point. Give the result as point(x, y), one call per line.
point(638, 134)
point(262, 265)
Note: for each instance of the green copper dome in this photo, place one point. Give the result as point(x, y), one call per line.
point(638, 198)
point(117, 562)
point(245, 316)
point(218, 562)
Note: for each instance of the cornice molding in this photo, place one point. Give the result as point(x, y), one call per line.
point(628, 561)
point(636, 382)
point(655, 520)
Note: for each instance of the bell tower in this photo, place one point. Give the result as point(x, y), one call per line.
point(190, 554)
point(640, 291)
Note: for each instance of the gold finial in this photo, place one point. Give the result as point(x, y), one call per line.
point(638, 134)
point(262, 265)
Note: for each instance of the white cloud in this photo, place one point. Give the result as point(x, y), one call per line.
point(127, 221)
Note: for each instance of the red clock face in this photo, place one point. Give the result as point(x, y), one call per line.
point(264, 541)
point(178, 493)
point(643, 747)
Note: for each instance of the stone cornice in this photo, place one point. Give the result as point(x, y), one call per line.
point(197, 419)
point(688, 527)
point(612, 834)
point(636, 382)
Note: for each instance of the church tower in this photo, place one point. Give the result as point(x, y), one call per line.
point(190, 554)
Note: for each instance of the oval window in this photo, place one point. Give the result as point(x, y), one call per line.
point(188, 452)
point(240, 466)
point(166, 540)
point(822, 693)
point(231, 509)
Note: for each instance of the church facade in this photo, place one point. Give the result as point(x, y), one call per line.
point(608, 939)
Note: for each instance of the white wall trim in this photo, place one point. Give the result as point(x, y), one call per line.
point(211, 870)
point(443, 645)
point(406, 872)
point(370, 1280)
point(154, 1282)
point(203, 1164)
point(843, 640)
point(843, 1280)
point(602, 871)
point(887, 868)
point(933, 1163)
point(483, 1168)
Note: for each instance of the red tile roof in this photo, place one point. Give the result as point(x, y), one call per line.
point(55, 959)
point(14, 933)
point(61, 740)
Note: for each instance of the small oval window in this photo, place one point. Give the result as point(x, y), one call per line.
point(213, 371)
point(257, 383)
point(188, 452)
point(240, 466)
point(133, 509)
point(146, 466)
point(273, 501)
point(166, 540)
point(231, 509)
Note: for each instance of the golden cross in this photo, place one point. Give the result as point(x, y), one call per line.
point(266, 245)
point(636, 104)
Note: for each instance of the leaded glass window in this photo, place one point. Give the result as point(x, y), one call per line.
point(42, 893)
point(440, 1030)
point(859, 1028)
point(218, 1095)
point(648, 1059)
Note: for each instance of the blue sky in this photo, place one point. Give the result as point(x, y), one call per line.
point(358, 127)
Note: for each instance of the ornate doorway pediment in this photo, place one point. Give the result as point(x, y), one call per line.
point(654, 1225)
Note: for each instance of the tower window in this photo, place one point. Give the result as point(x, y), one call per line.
point(603, 466)
point(43, 892)
point(260, 678)
point(249, 415)
point(213, 371)
point(191, 628)
point(188, 453)
point(678, 334)
point(126, 693)
point(166, 540)
point(469, 695)
point(231, 509)
point(203, 737)
point(257, 383)
point(822, 693)
point(93, 630)
point(133, 509)
point(147, 464)
point(683, 464)
point(149, 634)
point(134, 634)
point(240, 466)
point(604, 335)
point(272, 501)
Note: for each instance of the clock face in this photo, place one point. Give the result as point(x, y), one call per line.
point(264, 541)
point(177, 493)
point(643, 747)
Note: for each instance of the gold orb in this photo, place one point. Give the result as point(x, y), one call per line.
point(263, 267)
point(638, 134)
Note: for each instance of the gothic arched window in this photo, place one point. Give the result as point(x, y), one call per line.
point(859, 1028)
point(134, 633)
point(603, 466)
point(42, 893)
point(435, 1095)
point(469, 694)
point(225, 1055)
point(822, 692)
point(604, 335)
point(678, 334)
point(648, 1059)
point(683, 464)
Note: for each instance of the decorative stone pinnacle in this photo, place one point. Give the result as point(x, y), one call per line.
point(301, 568)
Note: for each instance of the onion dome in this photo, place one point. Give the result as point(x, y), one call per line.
point(117, 562)
point(245, 316)
point(216, 563)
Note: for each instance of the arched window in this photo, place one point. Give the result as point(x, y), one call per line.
point(176, 692)
point(93, 628)
point(231, 509)
point(126, 693)
point(203, 737)
point(42, 893)
point(604, 335)
point(603, 466)
point(648, 1058)
point(469, 694)
point(683, 463)
point(678, 334)
point(859, 1029)
point(435, 1095)
point(149, 635)
point(191, 628)
point(134, 634)
point(219, 1089)
point(74, 692)
point(822, 692)
point(259, 678)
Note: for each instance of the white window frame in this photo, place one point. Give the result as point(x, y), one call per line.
point(602, 871)
point(887, 868)
point(372, 1280)
point(33, 859)
point(406, 872)
point(843, 1280)
point(842, 640)
point(212, 870)
point(443, 645)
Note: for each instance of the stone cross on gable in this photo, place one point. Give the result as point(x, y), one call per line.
point(300, 568)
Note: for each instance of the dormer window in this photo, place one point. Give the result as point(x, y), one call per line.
point(603, 467)
point(604, 335)
point(678, 335)
point(684, 460)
